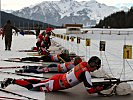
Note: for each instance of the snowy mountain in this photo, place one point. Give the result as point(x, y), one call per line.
point(7, 11)
point(67, 11)
point(124, 6)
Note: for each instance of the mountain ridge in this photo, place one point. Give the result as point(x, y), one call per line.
point(67, 11)
point(22, 23)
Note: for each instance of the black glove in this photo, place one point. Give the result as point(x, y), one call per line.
point(107, 86)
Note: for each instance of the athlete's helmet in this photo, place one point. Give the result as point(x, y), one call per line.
point(65, 51)
point(94, 61)
point(77, 60)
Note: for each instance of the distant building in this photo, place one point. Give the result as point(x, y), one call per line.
point(73, 28)
point(74, 25)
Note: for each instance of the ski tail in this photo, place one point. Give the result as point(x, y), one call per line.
point(11, 67)
point(7, 91)
point(19, 74)
point(8, 98)
point(27, 51)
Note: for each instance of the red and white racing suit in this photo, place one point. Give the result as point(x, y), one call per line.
point(64, 67)
point(39, 40)
point(79, 73)
point(49, 29)
point(46, 43)
point(61, 68)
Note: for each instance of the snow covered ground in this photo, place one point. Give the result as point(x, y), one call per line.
point(19, 42)
point(112, 58)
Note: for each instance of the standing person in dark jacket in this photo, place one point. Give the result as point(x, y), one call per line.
point(7, 33)
point(37, 29)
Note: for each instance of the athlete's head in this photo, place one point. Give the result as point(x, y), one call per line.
point(94, 62)
point(65, 51)
point(77, 60)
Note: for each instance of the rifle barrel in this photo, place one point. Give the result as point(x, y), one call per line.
point(127, 81)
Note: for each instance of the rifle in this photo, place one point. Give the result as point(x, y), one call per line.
point(110, 81)
point(108, 84)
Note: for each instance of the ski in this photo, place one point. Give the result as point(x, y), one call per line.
point(9, 60)
point(19, 60)
point(9, 98)
point(53, 53)
point(15, 67)
point(75, 56)
point(7, 91)
point(31, 50)
point(11, 67)
point(27, 51)
point(37, 54)
point(19, 74)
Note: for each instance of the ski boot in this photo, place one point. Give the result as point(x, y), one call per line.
point(6, 82)
point(45, 70)
point(22, 70)
point(26, 67)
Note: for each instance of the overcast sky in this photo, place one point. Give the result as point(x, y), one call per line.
point(18, 4)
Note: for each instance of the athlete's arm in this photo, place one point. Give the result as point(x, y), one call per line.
point(88, 84)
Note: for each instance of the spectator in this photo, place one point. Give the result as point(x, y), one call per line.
point(7, 33)
point(37, 30)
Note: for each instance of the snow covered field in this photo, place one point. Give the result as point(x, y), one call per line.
point(19, 42)
point(112, 58)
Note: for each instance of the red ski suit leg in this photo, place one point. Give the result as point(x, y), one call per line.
point(56, 85)
point(27, 83)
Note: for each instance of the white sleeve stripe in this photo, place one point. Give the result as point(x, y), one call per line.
point(87, 88)
point(88, 77)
